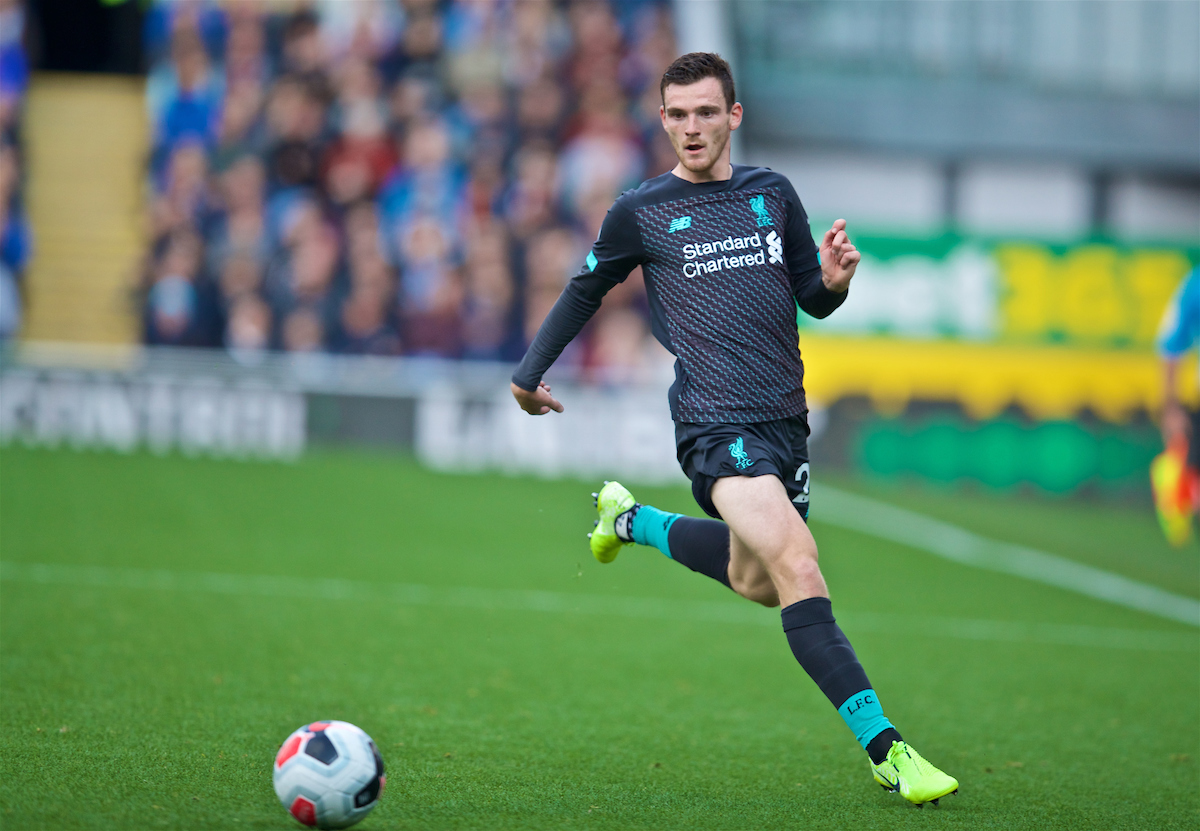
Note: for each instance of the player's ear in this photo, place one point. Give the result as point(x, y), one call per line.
point(662, 114)
point(735, 116)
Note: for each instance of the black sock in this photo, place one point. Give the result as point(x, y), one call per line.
point(826, 655)
point(879, 746)
point(702, 545)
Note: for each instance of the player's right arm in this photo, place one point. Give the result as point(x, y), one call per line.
point(617, 251)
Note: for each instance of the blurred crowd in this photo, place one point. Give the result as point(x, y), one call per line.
point(15, 235)
point(396, 177)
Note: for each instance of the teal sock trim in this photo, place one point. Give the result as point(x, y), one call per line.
point(651, 527)
point(864, 716)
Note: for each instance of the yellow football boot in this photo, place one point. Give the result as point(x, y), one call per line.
point(612, 501)
point(906, 771)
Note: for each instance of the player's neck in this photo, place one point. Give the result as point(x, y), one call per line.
point(721, 171)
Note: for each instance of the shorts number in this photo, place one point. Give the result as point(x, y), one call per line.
point(802, 479)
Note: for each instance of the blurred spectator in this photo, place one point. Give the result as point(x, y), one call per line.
point(532, 199)
point(238, 226)
point(413, 97)
point(361, 156)
point(551, 259)
point(485, 185)
point(185, 96)
point(421, 43)
point(537, 39)
point(429, 182)
point(394, 177)
point(183, 197)
point(368, 29)
point(603, 154)
point(16, 238)
point(15, 235)
point(179, 309)
point(366, 326)
point(304, 275)
point(303, 331)
point(489, 304)
point(430, 302)
point(197, 17)
point(304, 52)
point(248, 333)
point(540, 111)
point(245, 51)
point(10, 304)
point(618, 345)
point(14, 66)
point(240, 125)
point(241, 276)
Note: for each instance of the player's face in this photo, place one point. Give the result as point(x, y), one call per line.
point(698, 122)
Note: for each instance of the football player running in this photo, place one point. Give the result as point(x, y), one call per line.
point(727, 254)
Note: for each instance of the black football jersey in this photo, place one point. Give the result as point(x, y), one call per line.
point(725, 265)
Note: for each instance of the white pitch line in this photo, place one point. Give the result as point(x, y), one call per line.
point(689, 611)
point(870, 516)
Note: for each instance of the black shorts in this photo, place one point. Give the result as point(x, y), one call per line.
point(707, 452)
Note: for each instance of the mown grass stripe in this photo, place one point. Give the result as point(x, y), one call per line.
point(908, 528)
point(694, 611)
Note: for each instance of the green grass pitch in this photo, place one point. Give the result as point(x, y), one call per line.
point(161, 704)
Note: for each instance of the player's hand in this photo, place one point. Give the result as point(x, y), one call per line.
point(538, 402)
point(839, 258)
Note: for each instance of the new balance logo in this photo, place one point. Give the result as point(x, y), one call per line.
point(758, 204)
point(681, 223)
point(775, 248)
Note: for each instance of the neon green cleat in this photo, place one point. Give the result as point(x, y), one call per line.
point(612, 501)
point(905, 770)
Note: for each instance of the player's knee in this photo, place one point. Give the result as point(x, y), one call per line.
point(786, 549)
point(804, 563)
point(799, 562)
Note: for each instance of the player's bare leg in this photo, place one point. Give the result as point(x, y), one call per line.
point(769, 539)
point(748, 576)
point(772, 554)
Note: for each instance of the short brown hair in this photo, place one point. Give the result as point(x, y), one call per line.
point(696, 66)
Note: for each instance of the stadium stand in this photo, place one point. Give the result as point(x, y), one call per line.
point(86, 202)
point(386, 178)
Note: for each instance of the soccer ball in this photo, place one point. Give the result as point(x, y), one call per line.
point(329, 774)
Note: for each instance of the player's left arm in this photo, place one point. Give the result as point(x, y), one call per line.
point(820, 280)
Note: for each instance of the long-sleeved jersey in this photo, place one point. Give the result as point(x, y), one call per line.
point(725, 264)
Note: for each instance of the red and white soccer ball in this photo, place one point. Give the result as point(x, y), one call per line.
point(329, 774)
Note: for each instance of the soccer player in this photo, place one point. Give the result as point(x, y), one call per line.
point(1179, 332)
point(727, 255)
point(1175, 474)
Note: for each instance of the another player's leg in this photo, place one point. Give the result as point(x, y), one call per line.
point(700, 544)
point(765, 527)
